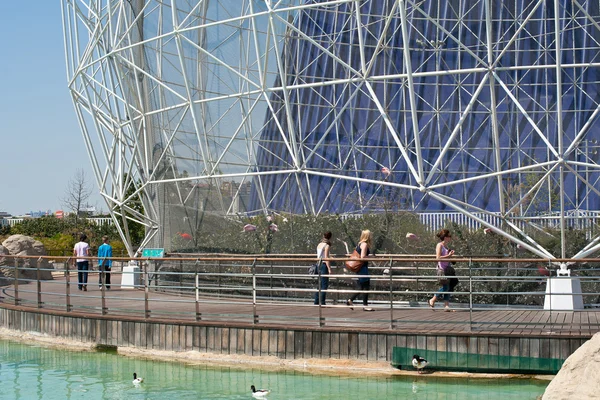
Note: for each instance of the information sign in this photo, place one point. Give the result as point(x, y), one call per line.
point(153, 253)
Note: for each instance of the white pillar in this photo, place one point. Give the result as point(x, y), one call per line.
point(563, 292)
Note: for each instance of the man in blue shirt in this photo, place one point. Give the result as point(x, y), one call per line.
point(104, 264)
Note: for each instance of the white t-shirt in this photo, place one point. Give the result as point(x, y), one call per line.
point(81, 250)
point(321, 249)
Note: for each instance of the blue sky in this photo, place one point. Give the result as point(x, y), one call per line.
point(41, 142)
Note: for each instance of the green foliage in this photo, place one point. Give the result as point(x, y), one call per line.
point(4, 230)
point(44, 226)
point(299, 234)
point(57, 243)
point(60, 234)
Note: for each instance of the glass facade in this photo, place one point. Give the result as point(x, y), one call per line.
point(245, 107)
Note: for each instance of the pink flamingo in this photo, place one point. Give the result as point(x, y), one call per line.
point(249, 228)
point(185, 235)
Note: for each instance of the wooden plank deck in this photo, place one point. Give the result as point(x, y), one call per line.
point(130, 304)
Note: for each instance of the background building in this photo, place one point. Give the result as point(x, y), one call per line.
point(229, 107)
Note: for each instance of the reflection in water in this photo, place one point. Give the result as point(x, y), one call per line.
point(29, 372)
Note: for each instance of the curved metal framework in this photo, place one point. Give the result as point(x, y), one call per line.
point(481, 107)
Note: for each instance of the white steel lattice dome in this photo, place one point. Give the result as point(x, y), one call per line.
point(487, 108)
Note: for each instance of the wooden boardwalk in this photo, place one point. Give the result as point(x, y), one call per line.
point(130, 304)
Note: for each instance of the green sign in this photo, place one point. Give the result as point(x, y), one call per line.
point(153, 253)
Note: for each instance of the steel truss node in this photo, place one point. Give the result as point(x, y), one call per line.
point(250, 106)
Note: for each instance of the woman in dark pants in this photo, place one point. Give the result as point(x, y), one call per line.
point(324, 268)
point(442, 254)
point(364, 281)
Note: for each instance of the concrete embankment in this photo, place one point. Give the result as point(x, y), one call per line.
point(310, 365)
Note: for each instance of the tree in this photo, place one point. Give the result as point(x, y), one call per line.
point(77, 193)
point(137, 231)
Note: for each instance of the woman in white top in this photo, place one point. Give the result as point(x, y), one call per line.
point(324, 268)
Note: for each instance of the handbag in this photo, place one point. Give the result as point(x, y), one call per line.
point(312, 270)
point(453, 280)
point(355, 264)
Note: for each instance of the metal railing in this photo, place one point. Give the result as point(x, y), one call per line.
point(493, 294)
point(575, 219)
point(100, 221)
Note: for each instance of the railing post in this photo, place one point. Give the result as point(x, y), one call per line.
point(219, 278)
point(271, 279)
point(146, 306)
point(549, 283)
point(418, 275)
point(470, 295)
point(180, 276)
point(68, 285)
point(102, 279)
point(254, 315)
point(16, 281)
point(39, 283)
point(391, 295)
point(197, 284)
point(321, 321)
point(155, 267)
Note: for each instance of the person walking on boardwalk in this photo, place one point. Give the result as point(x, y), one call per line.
point(443, 268)
point(364, 281)
point(324, 268)
point(82, 249)
point(104, 263)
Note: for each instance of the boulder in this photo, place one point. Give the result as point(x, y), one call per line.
point(21, 245)
point(3, 261)
point(579, 377)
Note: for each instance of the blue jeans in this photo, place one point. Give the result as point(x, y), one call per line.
point(323, 285)
point(82, 273)
point(444, 293)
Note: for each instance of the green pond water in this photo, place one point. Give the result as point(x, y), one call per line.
point(33, 372)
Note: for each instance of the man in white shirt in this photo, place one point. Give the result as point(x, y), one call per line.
point(82, 249)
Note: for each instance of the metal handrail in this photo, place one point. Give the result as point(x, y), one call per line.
point(227, 278)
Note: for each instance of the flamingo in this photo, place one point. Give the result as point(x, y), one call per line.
point(249, 228)
point(185, 235)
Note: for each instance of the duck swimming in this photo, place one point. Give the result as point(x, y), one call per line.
point(259, 393)
point(136, 380)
